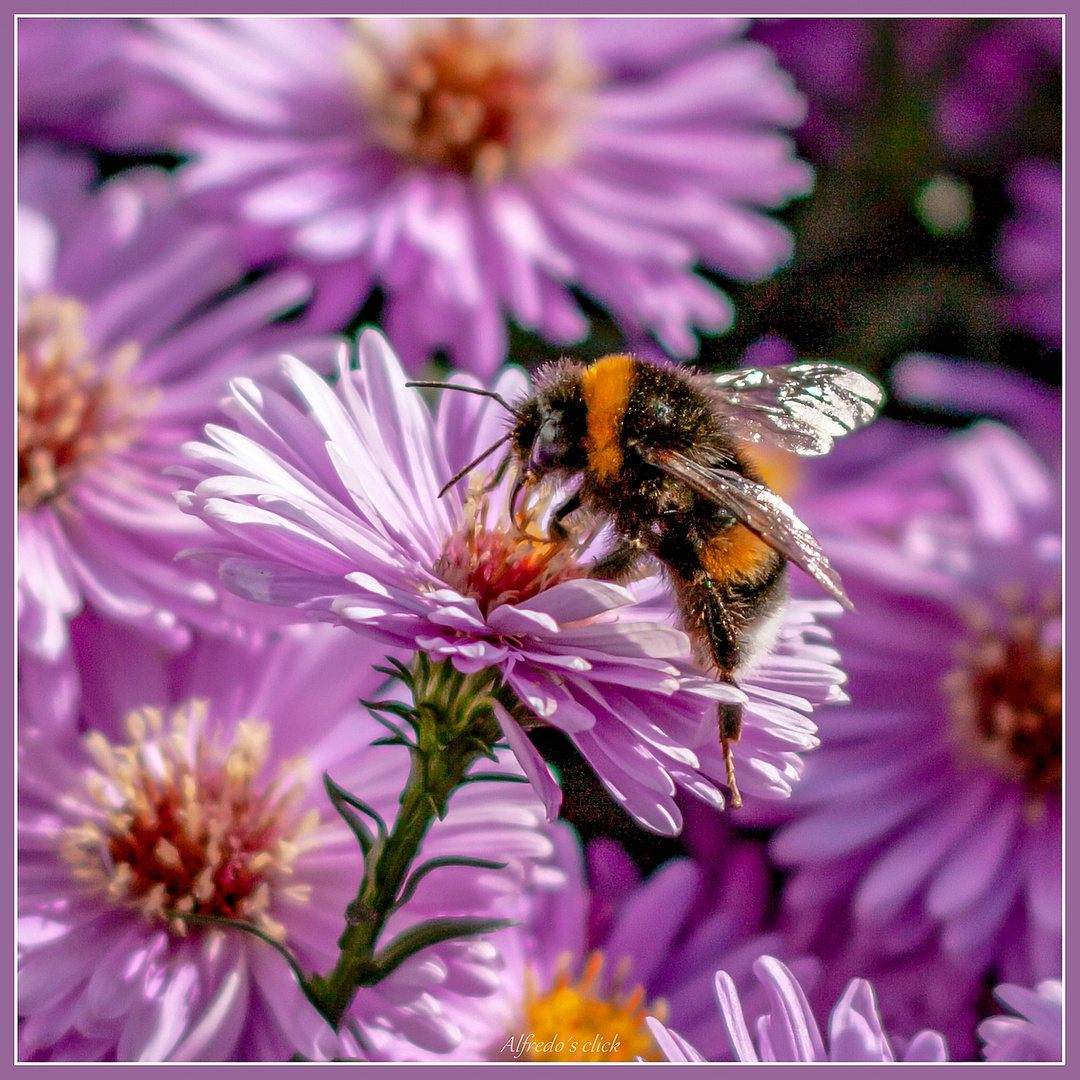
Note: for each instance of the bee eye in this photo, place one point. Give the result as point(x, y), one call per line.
point(549, 446)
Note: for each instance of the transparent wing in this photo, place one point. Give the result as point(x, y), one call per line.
point(799, 407)
point(762, 511)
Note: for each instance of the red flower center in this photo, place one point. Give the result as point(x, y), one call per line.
point(1006, 694)
point(496, 566)
point(186, 825)
point(469, 96)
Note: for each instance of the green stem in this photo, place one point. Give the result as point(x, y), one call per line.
point(454, 725)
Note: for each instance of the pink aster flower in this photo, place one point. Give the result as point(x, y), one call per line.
point(596, 955)
point(124, 349)
point(476, 170)
point(932, 812)
point(1035, 1034)
point(208, 799)
point(327, 503)
point(1029, 255)
point(789, 1031)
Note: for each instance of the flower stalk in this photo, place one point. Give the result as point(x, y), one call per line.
point(452, 725)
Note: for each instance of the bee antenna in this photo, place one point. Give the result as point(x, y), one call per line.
point(467, 390)
point(475, 461)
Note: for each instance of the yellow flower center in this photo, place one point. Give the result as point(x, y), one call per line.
point(506, 565)
point(73, 404)
point(483, 98)
point(185, 826)
point(576, 1021)
point(1005, 694)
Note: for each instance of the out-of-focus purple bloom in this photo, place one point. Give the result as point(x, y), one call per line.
point(934, 804)
point(479, 169)
point(829, 59)
point(331, 510)
point(1035, 1034)
point(1029, 250)
point(124, 348)
point(217, 808)
point(75, 83)
point(974, 389)
point(984, 73)
point(789, 1031)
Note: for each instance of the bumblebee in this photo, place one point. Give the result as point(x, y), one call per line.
point(661, 452)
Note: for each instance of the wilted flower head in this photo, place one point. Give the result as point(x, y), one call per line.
point(789, 1031)
point(479, 169)
point(208, 802)
point(332, 510)
point(934, 805)
point(1033, 1035)
point(123, 350)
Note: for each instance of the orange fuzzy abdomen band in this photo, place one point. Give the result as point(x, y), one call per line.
point(736, 555)
point(605, 387)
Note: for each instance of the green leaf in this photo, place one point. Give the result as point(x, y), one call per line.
point(430, 933)
point(250, 928)
point(342, 800)
point(507, 778)
point(390, 726)
point(434, 864)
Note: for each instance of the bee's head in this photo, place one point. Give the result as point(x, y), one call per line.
point(549, 432)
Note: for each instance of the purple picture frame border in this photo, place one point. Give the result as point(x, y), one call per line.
point(1071, 398)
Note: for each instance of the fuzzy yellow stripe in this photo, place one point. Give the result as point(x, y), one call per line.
point(606, 386)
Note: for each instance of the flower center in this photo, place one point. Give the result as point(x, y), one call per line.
point(482, 98)
point(73, 405)
point(1005, 695)
point(185, 826)
point(505, 565)
point(574, 1021)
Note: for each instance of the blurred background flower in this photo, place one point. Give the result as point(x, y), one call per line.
point(132, 317)
point(479, 169)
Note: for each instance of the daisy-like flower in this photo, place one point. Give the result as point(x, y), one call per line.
point(479, 169)
point(789, 1031)
point(1029, 250)
point(331, 508)
point(598, 955)
point(208, 801)
point(1035, 1034)
point(124, 347)
point(933, 810)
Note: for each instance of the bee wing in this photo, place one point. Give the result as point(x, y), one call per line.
point(799, 407)
point(762, 511)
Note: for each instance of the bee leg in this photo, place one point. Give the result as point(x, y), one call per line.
point(556, 529)
point(729, 716)
point(722, 630)
point(619, 563)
